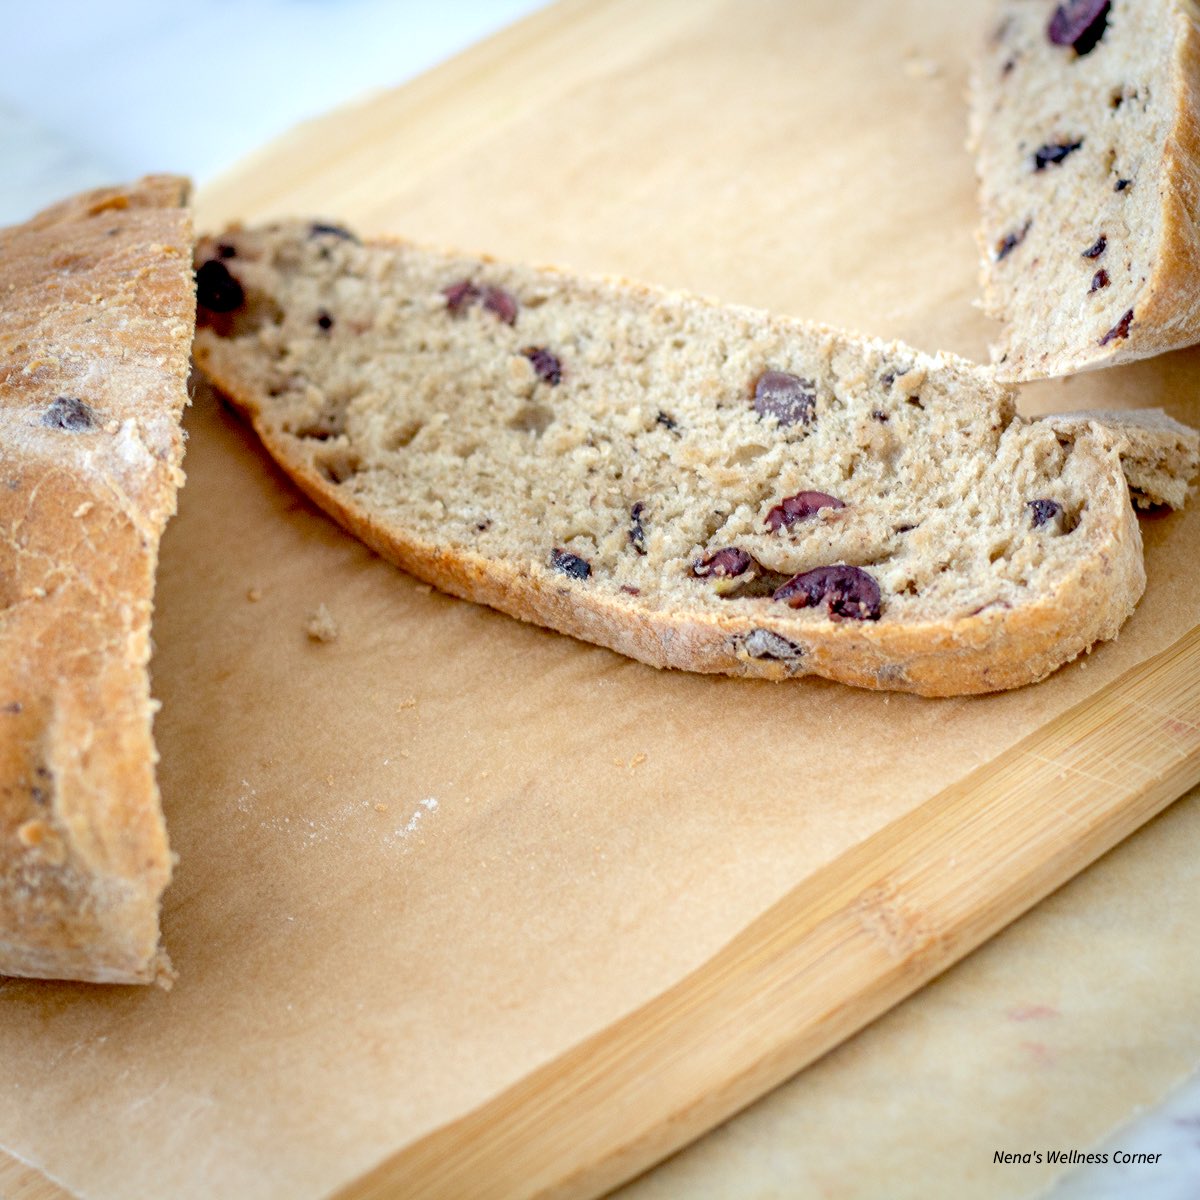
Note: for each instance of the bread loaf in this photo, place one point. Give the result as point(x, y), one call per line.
point(96, 321)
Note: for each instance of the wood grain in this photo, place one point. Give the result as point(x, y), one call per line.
point(335, 162)
point(841, 949)
point(19, 1181)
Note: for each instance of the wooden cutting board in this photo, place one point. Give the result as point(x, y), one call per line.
point(465, 908)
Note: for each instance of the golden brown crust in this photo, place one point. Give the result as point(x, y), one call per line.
point(1170, 310)
point(96, 318)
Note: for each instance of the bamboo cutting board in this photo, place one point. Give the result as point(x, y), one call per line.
point(468, 909)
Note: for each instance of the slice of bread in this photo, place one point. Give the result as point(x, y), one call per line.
point(1085, 117)
point(695, 486)
point(1158, 454)
point(96, 320)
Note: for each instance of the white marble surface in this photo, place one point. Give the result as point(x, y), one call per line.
point(1171, 1129)
point(133, 86)
point(103, 92)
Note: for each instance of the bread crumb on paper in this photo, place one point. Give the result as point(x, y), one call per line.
point(921, 68)
point(320, 626)
point(635, 761)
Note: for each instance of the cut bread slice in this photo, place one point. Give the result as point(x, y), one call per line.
point(96, 323)
point(1159, 454)
point(700, 487)
point(1085, 117)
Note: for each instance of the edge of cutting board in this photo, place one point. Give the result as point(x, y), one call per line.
point(831, 956)
point(20, 1181)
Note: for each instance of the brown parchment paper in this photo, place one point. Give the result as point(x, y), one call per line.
point(423, 858)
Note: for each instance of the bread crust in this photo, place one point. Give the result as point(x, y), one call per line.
point(1170, 310)
point(96, 318)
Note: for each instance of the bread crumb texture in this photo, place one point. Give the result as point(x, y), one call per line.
point(1086, 121)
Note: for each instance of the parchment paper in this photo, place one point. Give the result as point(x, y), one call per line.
point(425, 857)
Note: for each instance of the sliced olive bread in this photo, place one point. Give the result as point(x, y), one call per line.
point(696, 486)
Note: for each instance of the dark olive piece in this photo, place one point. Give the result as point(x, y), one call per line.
point(790, 399)
point(547, 367)
point(723, 563)
point(1119, 330)
point(798, 507)
point(1043, 511)
point(637, 528)
point(1080, 24)
point(503, 304)
point(1053, 153)
point(216, 289)
point(323, 228)
point(847, 593)
point(1010, 241)
point(570, 564)
point(69, 413)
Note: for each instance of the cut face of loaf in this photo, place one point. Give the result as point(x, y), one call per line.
point(695, 486)
point(1086, 121)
